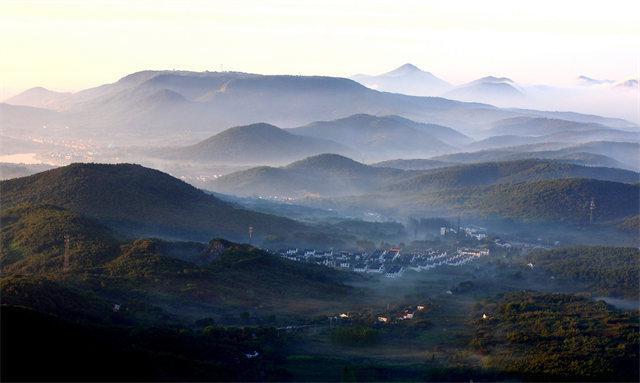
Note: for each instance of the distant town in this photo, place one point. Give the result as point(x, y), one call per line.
point(391, 263)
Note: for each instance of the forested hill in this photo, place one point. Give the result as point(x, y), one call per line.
point(142, 201)
point(607, 270)
point(490, 173)
point(564, 200)
point(324, 174)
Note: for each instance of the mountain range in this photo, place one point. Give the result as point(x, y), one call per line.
point(165, 107)
point(588, 95)
point(473, 189)
point(361, 136)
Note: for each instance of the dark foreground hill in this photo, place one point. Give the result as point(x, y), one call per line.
point(32, 239)
point(220, 274)
point(583, 340)
point(68, 351)
point(140, 201)
point(609, 271)
point(145, 314)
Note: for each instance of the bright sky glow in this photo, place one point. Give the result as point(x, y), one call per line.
point(73, 44)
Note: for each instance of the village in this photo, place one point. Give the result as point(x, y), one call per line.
point(391, 263)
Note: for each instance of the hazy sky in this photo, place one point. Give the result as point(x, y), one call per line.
point(69, 45)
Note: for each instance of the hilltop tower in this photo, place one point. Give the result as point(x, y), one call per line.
point(592, 208)
point(66, 255)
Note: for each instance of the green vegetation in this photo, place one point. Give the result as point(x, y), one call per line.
point(139, 201)
point(104, 270)
point(491, 173)
point(631, 225)
point(613, 271)
point(557, 200)
point(557, 337)
point(524, 190)
point(355, 336)
point(370, 230)
point(32, 240)
point(38, 346)
point(157, 309)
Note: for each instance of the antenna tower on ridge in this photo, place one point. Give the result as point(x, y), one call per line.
point(592, 208)
point(65, 265)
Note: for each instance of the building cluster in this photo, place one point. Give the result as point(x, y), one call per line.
point(391, 263)
point(397, 315)
point(472, 232)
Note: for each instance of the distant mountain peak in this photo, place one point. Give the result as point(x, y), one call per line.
point(406, 79)
point(494, 79)
point(631, 83)
point(38, 97)
point(489, 89)
point(404, 69)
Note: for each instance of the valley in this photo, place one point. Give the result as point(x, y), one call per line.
point(231, 226)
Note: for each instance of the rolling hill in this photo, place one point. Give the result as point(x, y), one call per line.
point(563, 200)
point(551, 201)
point(627, 153)
point(528, 126)
point(140, 201)
point(588, 154)
point(39, 97)
point(568, 137)
point(378, 136)
point(491, 173)
point(253, 144)
point(326, 174)
point(413, 164)
point(32, 238)
point(350, 183)
point(490, 89)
